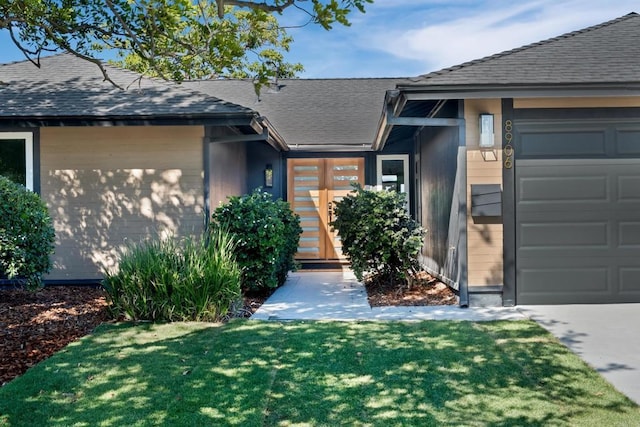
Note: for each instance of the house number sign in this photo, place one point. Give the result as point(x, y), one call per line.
point(508, 148)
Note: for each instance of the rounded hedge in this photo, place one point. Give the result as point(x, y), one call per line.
point(267, 232)
point(26, 234)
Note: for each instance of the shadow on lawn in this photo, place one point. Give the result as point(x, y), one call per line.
point(254, 373)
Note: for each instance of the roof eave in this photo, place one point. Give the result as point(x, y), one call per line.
point(417, 92)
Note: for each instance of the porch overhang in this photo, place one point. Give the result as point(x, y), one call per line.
point(401, 114)
point(257, 129)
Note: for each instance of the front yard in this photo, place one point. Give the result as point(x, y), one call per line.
point(315, 373)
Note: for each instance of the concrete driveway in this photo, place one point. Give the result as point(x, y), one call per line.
point(606, 336)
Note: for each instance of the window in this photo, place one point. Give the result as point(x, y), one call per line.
point(16, 157)
point(393, 173)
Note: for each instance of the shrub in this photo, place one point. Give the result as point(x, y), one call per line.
point(176, 279)
point(26, 234)
point(378, 235)
point(267, 232)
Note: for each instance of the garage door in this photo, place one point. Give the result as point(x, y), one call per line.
point(577, 225)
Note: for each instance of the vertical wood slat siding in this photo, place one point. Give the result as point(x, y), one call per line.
point(484, 242)
point(106, 186)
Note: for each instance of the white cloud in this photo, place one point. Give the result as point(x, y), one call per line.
point(489, 27)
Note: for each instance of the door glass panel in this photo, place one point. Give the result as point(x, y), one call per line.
point(13, 162)
point(393, 175)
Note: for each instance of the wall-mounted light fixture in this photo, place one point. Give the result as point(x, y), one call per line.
point(487, 138)
point(268, 176)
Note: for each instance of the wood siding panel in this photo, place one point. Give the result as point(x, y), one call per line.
point(107, 186)
point(484, 240)
point(632, 101)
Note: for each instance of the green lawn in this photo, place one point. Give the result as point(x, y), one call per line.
point(253, 373)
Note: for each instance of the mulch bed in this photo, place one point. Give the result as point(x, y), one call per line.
point(425, 290)
point(35, 325)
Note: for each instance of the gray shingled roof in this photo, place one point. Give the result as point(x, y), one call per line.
point(313, 112)
point(605, 53)
point(66, 86)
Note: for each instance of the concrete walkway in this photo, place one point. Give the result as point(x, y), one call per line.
point(339, 296)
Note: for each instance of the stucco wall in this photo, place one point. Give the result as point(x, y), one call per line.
point(484, 248)
point(107, 185)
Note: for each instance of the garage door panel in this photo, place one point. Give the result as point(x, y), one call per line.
point(577, 231)
point(565, 279)
point(565, 235)
point(627, 142)
point(628, 188)
point(629, 278)
point(566, 189)
point(588, 143)
point(629, 235)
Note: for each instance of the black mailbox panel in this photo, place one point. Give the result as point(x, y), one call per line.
point(486, 200)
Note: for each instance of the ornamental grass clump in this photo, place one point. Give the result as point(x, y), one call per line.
point(26, 235)
point(378, 235)
point(267, 232)
point(175, 279)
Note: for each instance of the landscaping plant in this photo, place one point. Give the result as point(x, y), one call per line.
point(27, 236)
point(378, 235)
point(267, 232)
point(176, 279)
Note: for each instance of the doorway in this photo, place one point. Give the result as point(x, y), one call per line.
point(314, 185)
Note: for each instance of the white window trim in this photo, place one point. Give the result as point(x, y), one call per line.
point(407, 180)
point(28, 148)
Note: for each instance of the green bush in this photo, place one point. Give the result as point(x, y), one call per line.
point(26, 234)
point(267, 232)
point(175, 279)
point(378, 235)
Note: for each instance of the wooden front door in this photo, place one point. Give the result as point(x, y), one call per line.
point(314, 185)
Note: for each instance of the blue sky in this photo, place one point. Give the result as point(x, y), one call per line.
point(412, 37)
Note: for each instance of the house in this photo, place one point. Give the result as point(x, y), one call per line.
point(328, 126)
point(524, 166)
point(113, 165)
point(529, 168)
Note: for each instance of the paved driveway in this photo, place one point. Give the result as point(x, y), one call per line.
point(606, 336)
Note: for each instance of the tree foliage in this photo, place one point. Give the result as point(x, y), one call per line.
point(172, 39)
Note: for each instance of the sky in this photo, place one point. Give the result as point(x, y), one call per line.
point(402, 38)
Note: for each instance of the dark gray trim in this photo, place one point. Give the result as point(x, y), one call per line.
point(425, 91)
point(36, 161)
point(31, 122)
point(508, 213)
point(463, 268)
point(598, 114)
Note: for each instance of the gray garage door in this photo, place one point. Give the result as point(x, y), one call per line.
point(577, 229)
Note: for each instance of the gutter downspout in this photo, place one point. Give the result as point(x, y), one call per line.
point(463, 273)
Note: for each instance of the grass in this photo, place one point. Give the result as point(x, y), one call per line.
point(253, 373)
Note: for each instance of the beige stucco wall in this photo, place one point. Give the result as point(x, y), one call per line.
point(107, 185)
point(484, 237)
point(576, 102)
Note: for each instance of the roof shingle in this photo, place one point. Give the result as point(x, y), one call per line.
point(67, 86)
point(604, 53)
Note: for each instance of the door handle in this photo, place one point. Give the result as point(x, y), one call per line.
point(330, 211)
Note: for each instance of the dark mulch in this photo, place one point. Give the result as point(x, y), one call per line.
point(35, 325)
point(425, 290)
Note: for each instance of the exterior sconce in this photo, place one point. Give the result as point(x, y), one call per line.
point(268, 176)
point(487, 138)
